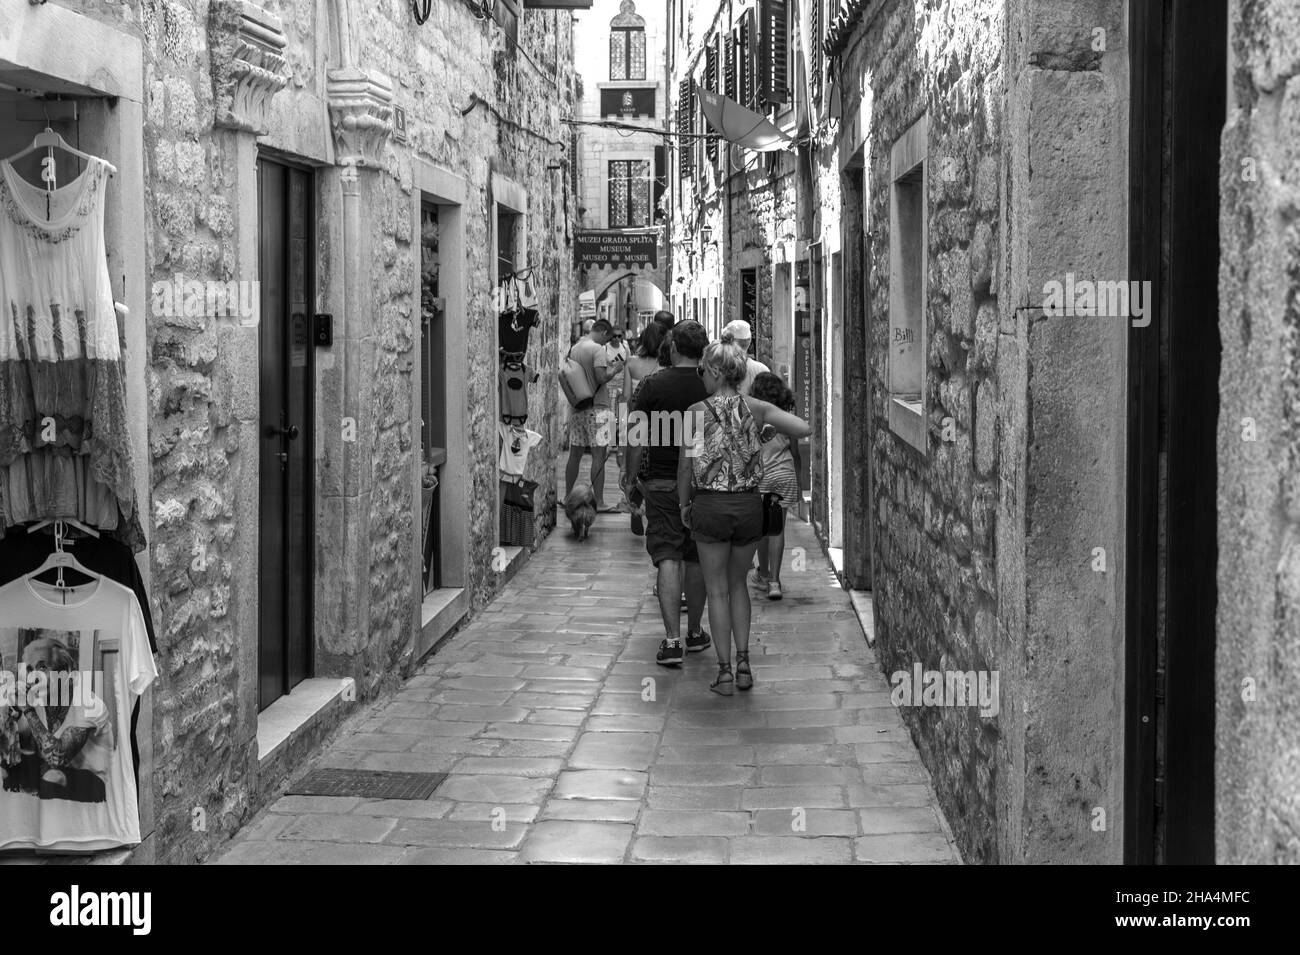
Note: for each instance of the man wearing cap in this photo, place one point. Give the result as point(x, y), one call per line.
point(742, 334)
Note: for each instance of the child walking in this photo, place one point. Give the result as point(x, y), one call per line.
point(780, 477)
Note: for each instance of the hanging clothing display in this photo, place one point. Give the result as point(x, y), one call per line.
point(518, 314)
point(64, 441)
point(513, 328)
point(68, 781)
point(21, 553)
point(512, 392)
point(513, 444)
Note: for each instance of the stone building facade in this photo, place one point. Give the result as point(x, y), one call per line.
point(1019, 490)
point(427, 158)
point(732, 210)
point(622, 172)
point(1029, 495)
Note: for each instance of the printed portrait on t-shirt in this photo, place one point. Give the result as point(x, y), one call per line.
point(56, 725)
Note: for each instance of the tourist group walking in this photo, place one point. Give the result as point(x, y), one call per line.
point(708, 470)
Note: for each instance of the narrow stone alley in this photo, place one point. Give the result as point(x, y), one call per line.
point(565, 742)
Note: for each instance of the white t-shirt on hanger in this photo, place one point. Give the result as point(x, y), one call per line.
point(514, 443)
point(73, 787)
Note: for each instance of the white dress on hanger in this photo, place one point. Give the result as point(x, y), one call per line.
point(64, 442)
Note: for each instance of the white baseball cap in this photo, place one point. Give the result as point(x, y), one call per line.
point(739, 330)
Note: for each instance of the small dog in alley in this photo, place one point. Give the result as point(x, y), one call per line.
point(580, 509)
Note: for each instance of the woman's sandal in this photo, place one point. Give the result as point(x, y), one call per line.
point(723, 682)
point(744, 678)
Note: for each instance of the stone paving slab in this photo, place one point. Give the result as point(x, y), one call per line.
point(565, 743)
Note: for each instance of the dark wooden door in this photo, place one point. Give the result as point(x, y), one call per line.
point(1179, 78)
point(285, 217)
point(433, 390)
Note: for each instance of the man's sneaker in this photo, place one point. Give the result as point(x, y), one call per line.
point(670, 653)
point(758, 580)
point(695, 642)
point(774, 590)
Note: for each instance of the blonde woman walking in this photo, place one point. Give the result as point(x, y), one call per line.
point(717, 486)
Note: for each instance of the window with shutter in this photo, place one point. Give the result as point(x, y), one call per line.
point(729, 66)
point(775, 52)
point(711, 82)
point(745, 68)
point(685, 115)
point(815, 31)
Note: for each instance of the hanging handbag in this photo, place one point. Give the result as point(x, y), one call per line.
point(576, 384)
point(517, 527)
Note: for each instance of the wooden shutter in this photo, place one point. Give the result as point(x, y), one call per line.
point(729, 66)
point(711, 82)
point(746, 59)
point(685, 145)
point(815, 54)
point(775, 53)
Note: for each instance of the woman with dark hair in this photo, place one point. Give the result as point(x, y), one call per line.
point(780, 477)
point(646, 360)
point(666, 321)
point(718, 478)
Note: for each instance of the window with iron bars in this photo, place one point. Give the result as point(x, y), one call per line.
point(627, 53)
point(629, 193)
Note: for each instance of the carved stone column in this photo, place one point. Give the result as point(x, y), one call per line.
point(361, 119)
point(361, 115)
point(255, 71)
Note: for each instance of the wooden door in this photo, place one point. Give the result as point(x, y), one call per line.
point(1179, 78)
point(285, 259)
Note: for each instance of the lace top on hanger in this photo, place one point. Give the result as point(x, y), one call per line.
point(64, 442)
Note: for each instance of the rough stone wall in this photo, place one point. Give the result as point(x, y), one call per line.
point(935, 590)
point(982, 541)
point(1257, 742)
point(530, 137)
point(201, 735)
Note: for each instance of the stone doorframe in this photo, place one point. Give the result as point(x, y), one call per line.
point(450, 192)
point(79, 56)
point(344, 137)
point(509, 196)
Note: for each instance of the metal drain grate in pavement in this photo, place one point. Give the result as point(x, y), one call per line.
point(367, 783)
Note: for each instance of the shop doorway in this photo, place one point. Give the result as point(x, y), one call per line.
point(286, 213)
point(1179, 90)
point(835, 408)
point(433, 390)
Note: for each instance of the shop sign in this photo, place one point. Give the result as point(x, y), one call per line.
point(627, 102)
point(621, 250)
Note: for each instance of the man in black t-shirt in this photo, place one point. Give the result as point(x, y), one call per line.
point(655, 435)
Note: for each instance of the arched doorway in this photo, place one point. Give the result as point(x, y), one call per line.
point(629, 303)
